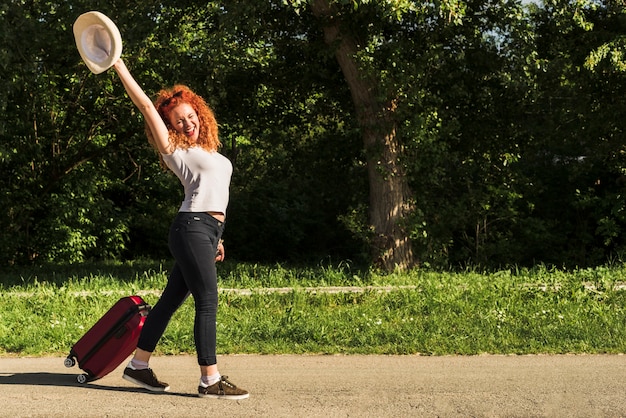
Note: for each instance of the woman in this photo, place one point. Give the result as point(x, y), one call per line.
point(183, 129)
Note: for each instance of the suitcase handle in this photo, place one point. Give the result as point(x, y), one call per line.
point(144, 309)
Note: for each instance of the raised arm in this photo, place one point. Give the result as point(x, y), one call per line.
point(146, 107)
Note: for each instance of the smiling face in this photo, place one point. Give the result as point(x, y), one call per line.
point(184, 119)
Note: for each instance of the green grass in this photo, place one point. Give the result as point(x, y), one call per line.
point(45, 309)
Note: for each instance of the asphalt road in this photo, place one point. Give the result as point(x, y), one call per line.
point(332, 386)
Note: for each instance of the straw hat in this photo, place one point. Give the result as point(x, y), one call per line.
point(98, 40)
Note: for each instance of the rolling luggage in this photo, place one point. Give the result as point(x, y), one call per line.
point(110, 340)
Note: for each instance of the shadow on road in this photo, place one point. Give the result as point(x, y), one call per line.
point(69, 380)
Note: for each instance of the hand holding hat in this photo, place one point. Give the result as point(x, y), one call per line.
point(98, 40)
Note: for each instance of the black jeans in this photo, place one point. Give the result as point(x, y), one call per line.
point(193, 241)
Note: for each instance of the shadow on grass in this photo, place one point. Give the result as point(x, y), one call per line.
point(69, 380)
point(58, 273)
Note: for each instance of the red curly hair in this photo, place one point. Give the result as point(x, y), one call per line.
point(167, 100)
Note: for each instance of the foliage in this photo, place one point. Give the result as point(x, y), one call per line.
point(69, 177)
point(510, 120)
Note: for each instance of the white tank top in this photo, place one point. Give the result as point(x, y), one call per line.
point(205, 177)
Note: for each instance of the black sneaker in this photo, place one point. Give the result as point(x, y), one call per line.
point(222, 390)
point(146, 379)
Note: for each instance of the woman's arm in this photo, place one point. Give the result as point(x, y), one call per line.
point(146, 107)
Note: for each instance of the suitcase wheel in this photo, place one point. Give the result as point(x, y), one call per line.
point(69, 362)
point(82, 378)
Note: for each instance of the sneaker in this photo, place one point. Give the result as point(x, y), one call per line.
point(146, 379)
point(222, 390)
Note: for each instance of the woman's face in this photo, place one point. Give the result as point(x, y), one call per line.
point(185, 120)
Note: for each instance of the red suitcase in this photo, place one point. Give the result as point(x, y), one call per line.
point(111, 340)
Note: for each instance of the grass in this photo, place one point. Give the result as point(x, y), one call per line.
point(45, 309)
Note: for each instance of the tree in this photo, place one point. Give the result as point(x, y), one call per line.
point(389, 202)
point(581, 90)
point(394, 132)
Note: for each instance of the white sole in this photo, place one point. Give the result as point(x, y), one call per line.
point(225, 397)
point(143, 385)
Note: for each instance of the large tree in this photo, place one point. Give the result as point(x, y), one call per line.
point(389, 194)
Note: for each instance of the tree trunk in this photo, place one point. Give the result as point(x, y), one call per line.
point(389, 194)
